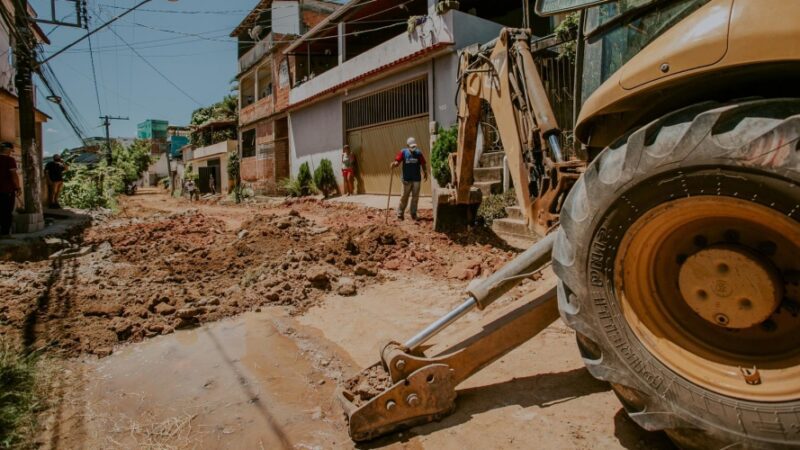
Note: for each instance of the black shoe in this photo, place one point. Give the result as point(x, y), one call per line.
point(414, 218)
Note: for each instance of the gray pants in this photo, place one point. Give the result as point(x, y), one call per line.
point(412, 188)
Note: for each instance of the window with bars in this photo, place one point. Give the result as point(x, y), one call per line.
point(406, 100)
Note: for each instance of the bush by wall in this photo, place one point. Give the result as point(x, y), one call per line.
point(305, 180)
point(493, 207)
point(324, 178)
point(446, 143)
point(302, 186)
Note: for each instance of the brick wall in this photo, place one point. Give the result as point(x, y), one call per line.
point(312, 18)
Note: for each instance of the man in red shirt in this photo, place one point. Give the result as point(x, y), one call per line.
point(9, 187)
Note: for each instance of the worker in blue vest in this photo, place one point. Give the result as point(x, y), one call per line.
point(414, 168)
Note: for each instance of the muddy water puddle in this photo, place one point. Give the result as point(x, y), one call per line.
point(235, 384)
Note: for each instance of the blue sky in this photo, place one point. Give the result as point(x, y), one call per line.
point(201, 65)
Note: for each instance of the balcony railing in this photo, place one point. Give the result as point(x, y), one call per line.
point(254, 55)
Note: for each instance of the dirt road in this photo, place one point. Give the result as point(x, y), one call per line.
point(261, 369)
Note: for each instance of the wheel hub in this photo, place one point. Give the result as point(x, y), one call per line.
point(730, 287)
point(708, 284)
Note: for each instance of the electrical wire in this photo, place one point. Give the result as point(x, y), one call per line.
point(48, 77)
point(94, 78)
point(139, 55)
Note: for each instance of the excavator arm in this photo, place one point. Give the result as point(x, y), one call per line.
point(408, 387)
point(505, 76)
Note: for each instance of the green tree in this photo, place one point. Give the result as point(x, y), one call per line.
point(324, 178)
point(133, 161)
point(225, 109)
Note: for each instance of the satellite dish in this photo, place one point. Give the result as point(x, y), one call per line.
point(255, 32)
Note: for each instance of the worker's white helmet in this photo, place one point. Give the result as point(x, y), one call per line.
point(411, 142)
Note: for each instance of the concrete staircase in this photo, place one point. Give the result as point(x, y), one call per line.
point(513, 229)
point(489, 174)
point(489, 179)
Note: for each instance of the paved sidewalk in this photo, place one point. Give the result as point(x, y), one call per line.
point(61, 224)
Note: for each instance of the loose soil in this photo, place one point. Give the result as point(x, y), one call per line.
point(282, 302)
point(151, 273)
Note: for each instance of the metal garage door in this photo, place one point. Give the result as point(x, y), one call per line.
point(379, 125)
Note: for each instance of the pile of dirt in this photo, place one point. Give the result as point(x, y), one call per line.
point(368, 384)
point(151, 277)
point(292, 260)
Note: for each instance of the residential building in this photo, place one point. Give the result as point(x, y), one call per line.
point(9, 102)
point(165, 143)
point(376, 72)
point(264, 84)
point(177, 138)
point(215, 141)
point(152, 129)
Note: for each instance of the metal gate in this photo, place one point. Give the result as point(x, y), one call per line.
point(378, 126)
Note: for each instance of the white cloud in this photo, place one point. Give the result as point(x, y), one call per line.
point(51, 130)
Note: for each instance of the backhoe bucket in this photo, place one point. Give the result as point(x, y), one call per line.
point(449, 216)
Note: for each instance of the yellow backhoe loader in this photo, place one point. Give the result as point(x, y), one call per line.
point(676, 240)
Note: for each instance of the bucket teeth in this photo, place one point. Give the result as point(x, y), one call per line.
point(427, 395)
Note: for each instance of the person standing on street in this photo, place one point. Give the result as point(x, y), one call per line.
point(10, 187)
point(190, 188)
point(55, 179)
point(414, 165)
point(348, 170)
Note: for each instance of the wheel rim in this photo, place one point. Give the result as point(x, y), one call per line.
point(709, 286)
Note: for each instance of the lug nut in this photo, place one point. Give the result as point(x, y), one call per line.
point(721, 319)
point(390, 405)
point(412, 400)
point(400, 364)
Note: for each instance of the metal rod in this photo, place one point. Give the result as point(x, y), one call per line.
point(443, 322)
point(555, 147)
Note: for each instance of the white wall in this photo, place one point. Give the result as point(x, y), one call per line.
point(436, 30)
point(316, 132)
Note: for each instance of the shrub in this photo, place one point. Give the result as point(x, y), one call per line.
point(494, 207)
point(446, 143)
point(132, 162)
point(324, 179)
point(567, 32)
point(292, 187)
point(89, 188)
point(305, 180)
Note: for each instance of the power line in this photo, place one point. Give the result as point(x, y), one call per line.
point(183, 40)
point(94, 78)
point(155, 68)
point(173, 11)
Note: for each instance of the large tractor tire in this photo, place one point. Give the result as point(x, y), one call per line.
point(679, 262)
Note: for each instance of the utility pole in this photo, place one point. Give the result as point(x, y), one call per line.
point(32, 220)
point(107, 123)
